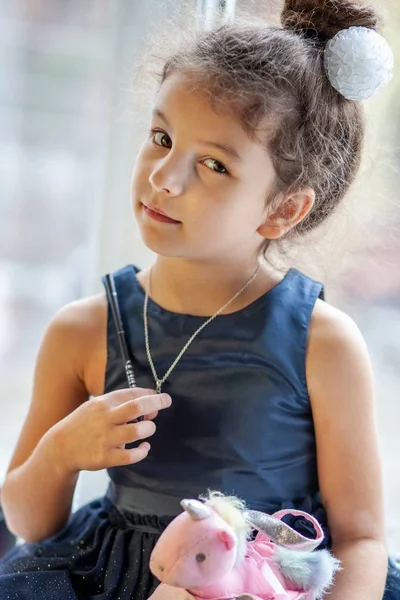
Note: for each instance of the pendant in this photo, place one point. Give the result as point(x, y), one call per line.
point(158, 386)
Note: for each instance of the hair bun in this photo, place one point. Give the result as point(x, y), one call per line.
point(323, 19)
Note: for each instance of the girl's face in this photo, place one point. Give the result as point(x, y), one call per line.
point(207, 176)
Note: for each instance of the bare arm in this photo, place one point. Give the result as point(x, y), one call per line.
point(37, 493)
point(63, 434)
point(340, 382)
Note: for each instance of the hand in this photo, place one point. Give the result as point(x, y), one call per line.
point(93, 436)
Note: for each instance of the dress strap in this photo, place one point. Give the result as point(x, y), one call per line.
point(121, 297)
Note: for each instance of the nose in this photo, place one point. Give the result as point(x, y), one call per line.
point(169, 177)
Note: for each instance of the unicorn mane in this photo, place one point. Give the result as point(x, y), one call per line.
point(230, 508)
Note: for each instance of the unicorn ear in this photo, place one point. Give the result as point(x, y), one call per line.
point(227, 538)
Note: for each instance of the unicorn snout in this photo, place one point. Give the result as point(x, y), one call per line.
point(156, 567)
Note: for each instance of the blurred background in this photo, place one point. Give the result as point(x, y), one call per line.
point(71, 121)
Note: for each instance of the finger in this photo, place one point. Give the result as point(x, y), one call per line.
point(133, 409)
point(131, 456)
point(119, 397)
point(151, 416)
point(132, 432)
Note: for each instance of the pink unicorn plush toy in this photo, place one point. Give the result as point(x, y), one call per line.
point(204, 554)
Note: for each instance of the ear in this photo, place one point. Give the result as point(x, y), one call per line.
point(291, 211)
point(227, 538)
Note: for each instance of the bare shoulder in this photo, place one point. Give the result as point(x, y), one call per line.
point(78, 332)
point(85, 312)
point(337, 354)
point(331, 324)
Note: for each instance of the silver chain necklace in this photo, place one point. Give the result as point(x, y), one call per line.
point(160, 382)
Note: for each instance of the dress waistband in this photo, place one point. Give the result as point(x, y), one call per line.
point(126, 519)
point(141, 501)
point(146, 511)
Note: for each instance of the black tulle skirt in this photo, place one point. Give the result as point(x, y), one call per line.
point(100, 555)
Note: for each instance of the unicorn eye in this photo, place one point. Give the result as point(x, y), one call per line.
point(200, 557)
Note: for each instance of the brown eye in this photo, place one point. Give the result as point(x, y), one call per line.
point(200, 557)
point(161, 139)
point(216, 166)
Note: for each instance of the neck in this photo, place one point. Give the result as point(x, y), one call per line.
point(200, 288)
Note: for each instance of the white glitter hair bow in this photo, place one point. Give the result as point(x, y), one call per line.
point(358, 62)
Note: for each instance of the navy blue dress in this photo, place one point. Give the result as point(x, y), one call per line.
point(240, 422)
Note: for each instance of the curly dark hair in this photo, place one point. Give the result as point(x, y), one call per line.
point(314, 135)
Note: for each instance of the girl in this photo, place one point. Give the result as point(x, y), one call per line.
point(266, 391)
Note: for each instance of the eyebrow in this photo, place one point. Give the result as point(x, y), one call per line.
point(158, 113)
point(227, 149)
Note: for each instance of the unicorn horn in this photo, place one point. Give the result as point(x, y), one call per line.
point(196, 509)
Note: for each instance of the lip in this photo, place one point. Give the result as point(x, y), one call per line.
point(158, 214)
point(157, 210)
